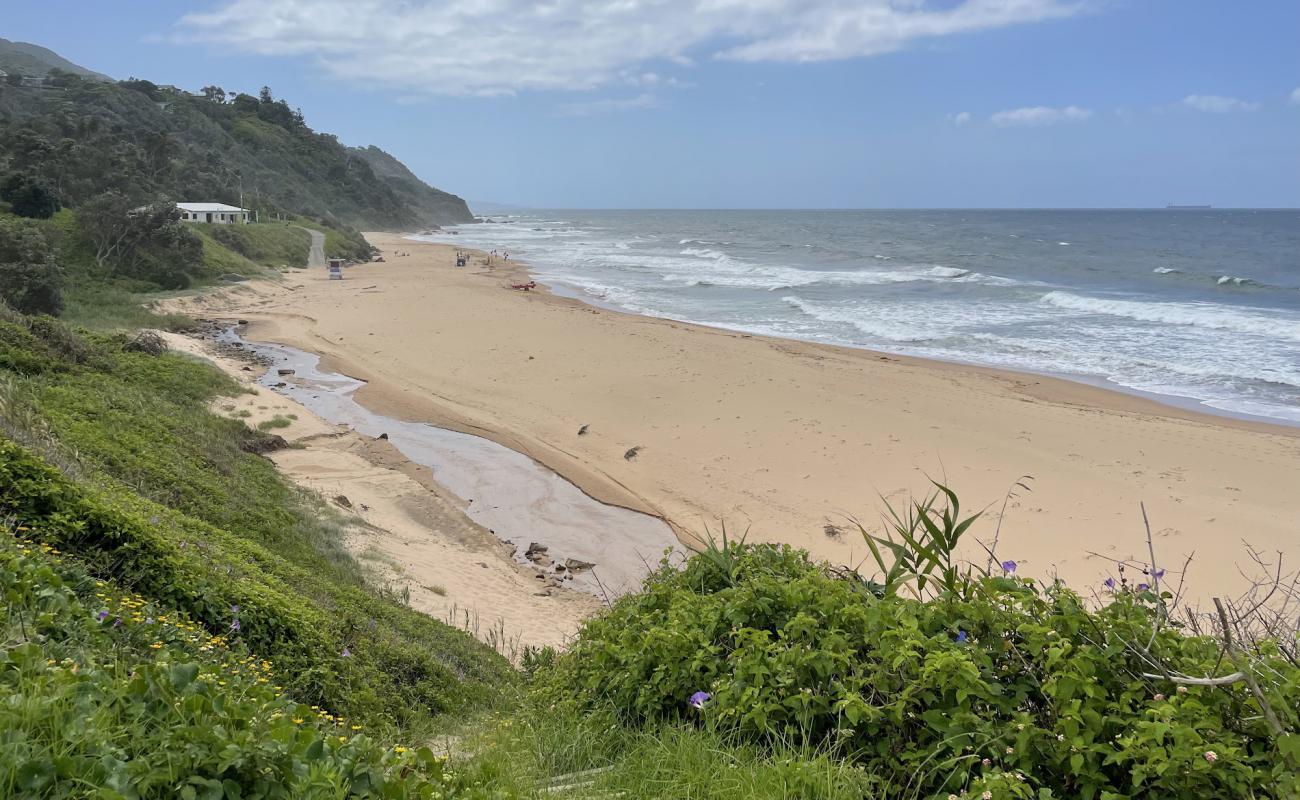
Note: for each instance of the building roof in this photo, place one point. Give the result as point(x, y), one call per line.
point(206, 207)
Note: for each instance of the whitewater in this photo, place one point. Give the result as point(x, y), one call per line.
point(1198, 308)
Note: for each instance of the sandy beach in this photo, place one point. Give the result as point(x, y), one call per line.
point(406, 532)
point(781, 439)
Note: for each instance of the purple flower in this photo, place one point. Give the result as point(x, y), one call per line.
point(1109, 583)
point(961, 637)
point(346, 653)
point(1008, 567)
point(117, 623)
point(234, 626)
point(698, 700)
point(1142, 587)
point(1159, 574)
point(101, 616)
point(234, 609)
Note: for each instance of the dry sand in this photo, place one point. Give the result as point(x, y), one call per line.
point(405, 531)
point(781, 438)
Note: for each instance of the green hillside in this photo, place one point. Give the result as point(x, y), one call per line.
point(83, 137)
point(32, 60)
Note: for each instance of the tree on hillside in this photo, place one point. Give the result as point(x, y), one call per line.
point(149, 242)
point(214, 93)
point(158, 151)
point(147, 88)
point(29, 276)
point(28, 196)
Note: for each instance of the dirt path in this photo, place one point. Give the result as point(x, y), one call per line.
point(316, 255)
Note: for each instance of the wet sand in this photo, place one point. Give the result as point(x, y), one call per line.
point(783, 439)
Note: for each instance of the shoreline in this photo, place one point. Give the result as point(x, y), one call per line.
point(451, 353)
point(1174, 402)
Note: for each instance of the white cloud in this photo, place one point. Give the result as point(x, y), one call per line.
point(492, 47)
point(1215, 104)
point(960, 118)
point(607, 106)
point(1295, 96)
point(1039, 115)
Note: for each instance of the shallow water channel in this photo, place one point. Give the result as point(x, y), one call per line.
point(513, 496)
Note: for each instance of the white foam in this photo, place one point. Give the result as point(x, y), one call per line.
point(1260, 322)
point(877, 327)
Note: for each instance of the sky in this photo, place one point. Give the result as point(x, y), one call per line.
point(753, 103)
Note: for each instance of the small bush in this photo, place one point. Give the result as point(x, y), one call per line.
point(28, 196)
point(1010, 689)
point(273, 423)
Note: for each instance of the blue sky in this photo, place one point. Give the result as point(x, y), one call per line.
point(754, 103)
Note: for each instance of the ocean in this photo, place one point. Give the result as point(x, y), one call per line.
point(1196, 307)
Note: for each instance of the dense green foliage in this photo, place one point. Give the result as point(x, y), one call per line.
point(28, 197)
point(82, 137)
point(112, 695)
point(148, 244)
point(173, 506)
point(1010, 689)
point(116, 156)
point(30, 278)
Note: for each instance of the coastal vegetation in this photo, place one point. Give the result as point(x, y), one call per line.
point(75, 137)
point(181, 621)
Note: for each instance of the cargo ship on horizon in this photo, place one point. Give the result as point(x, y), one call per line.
point(1184, 207)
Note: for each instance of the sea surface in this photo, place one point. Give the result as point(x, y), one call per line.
point(1197, 307)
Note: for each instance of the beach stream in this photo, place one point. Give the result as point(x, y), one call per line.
point(520, 501)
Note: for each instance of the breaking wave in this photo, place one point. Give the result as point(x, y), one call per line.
point(1200, 315)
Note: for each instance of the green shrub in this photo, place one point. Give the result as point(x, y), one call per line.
point(277, 421)
point(147, 243)
point(1012, 689)
point(30, 278)
point(28, 196)
point(108, 694)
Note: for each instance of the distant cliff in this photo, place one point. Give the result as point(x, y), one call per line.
point(82, 135)
point(435, 206)
point(32, 60)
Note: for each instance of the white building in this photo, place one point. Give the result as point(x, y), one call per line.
point(218, 213)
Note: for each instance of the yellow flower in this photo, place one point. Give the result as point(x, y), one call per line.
point(156, 645)
point(343, 738)
point(297, 720)
point(356, 727)
point(399, 749)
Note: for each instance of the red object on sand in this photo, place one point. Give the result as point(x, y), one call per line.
point(524, 286)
